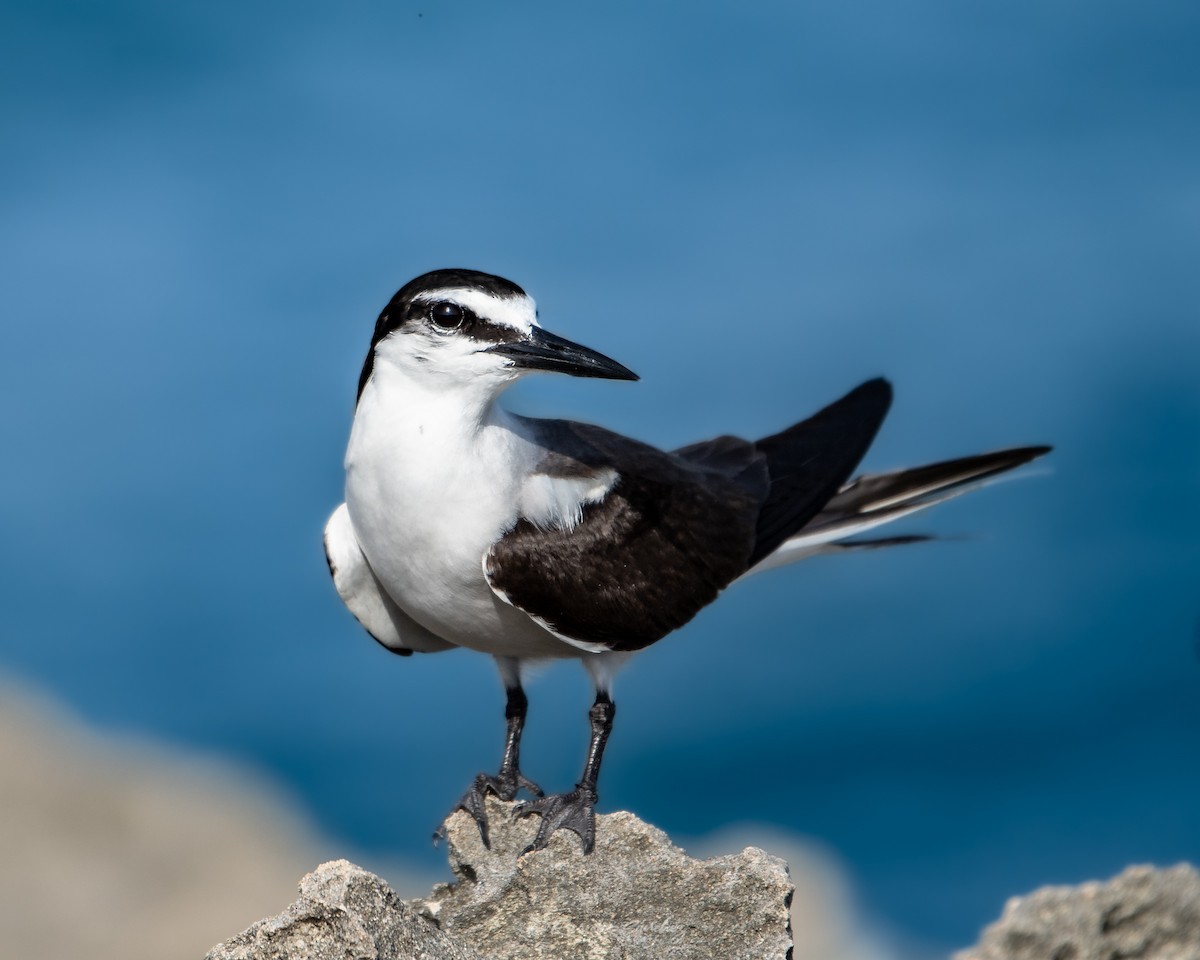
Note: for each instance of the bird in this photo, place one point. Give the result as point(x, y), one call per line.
point(467, 526)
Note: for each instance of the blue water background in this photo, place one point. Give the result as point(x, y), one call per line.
point(755, 206)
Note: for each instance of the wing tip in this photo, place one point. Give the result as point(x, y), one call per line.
point(878, 389)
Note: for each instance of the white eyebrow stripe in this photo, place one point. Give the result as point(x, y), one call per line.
point(519, 313)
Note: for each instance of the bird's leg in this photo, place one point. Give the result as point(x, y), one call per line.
point(576, 810)
point(509, 779)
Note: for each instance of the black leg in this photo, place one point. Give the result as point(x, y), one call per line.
point(509, 779)
point(576, 810)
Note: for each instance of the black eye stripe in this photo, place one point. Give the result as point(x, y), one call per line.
point(435, 315)
point(490, 332)
point(443, 316)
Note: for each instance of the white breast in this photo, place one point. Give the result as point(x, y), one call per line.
point(429, 489)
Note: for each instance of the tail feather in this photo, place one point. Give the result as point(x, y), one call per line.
point(871, 492)
point(871, 500)
point(875, 543)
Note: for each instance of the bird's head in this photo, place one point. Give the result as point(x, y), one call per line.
point(463, 327)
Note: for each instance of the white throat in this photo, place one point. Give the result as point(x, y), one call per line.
point(434, 477)
point(431, 482)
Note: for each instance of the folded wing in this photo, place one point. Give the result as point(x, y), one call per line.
point(675, 528)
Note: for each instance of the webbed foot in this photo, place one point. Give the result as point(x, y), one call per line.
point(574, 811)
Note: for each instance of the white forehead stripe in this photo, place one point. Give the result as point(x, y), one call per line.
point(520, 313)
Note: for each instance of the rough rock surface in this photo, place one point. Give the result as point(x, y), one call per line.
point(636, 896)
point(344, 913)
point(1142, 914)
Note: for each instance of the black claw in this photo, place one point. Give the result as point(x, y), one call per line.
point(474, 803)
point(574, 811)
point(526, 784)
point(504, 785)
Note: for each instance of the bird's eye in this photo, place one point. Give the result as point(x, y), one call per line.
point(447, 315)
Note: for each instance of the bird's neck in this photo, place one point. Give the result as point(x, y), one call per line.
point(403, 415)
point(439, 402)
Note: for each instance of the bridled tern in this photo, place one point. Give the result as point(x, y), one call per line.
point(465, 525)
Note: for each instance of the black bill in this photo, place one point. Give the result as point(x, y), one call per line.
point(546, 351)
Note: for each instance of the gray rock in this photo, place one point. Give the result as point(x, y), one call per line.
point(636, 896)
point(344, 913)
point(1144, 913)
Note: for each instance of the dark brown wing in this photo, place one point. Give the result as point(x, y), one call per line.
point(664, 541)
point(675, 529)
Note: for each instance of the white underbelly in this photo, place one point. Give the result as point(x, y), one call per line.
point(425, 533)
point(444, 590)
